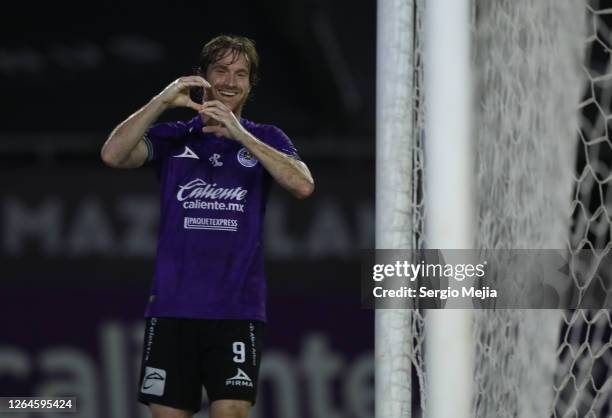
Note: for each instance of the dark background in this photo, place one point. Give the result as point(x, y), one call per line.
point(77, 239)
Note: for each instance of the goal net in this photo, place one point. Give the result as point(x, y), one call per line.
point(542, 106)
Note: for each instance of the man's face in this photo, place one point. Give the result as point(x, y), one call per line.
point(229, 78)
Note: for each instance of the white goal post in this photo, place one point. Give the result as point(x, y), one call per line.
point(449, 199)
point(394, 224)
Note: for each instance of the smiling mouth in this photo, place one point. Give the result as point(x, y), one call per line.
point(226, 93)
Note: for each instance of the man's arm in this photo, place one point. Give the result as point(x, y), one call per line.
point(125, 147)
point(290, 173)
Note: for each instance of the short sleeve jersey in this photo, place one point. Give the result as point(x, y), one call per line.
point(213, 194)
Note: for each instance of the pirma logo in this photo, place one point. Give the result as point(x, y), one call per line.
point(246, 158)
point(188, 153)
point(241, 379)
point(154, 381)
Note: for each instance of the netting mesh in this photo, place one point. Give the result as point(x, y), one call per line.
point(583, 380)
point(544, 159)
point(529, 82)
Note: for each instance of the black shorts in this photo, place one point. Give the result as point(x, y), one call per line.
point(181, 355)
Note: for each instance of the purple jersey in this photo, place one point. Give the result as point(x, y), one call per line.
point(213, 196)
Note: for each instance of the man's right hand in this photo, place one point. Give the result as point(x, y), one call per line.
point(125, 147)
point(176, 94)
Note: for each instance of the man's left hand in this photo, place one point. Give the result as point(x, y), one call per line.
point(228, 125)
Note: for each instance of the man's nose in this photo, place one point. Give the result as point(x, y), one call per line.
point(231, 79)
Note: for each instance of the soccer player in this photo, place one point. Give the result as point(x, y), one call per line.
point(206, 312)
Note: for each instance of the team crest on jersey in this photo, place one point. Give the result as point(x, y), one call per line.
point(246, 158)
